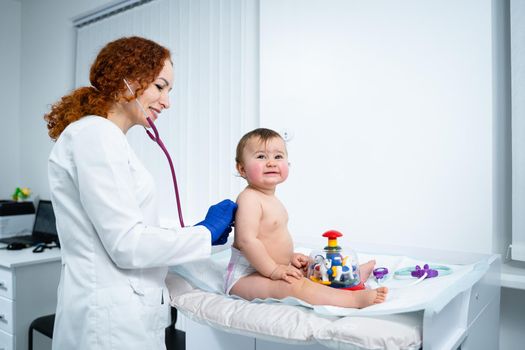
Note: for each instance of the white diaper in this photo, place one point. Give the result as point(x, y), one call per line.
point(238, 267)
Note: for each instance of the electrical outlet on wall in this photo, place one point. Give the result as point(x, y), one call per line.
point(287, 135)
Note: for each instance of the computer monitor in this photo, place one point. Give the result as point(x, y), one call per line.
point(44, 229)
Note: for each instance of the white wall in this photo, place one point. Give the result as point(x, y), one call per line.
point(517, 30)
point(47, 59)
point(513, 300)
point(10, 39)
point(391, 108)
point(400, 118)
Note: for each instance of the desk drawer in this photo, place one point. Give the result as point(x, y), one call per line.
point(6, 315)
point(6, 283)
point(482, 294)
point(6, 341)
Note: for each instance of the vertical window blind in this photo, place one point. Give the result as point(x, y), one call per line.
point(214, 101)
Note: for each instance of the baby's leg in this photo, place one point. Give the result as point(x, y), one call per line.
point(318, 294)
point(257, 286)
point(366, 269)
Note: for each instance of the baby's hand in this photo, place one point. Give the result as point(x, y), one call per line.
point(300, 261)
point(285, 273)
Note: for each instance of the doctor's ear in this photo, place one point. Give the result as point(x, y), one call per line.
point(129, 87)
point(131, 91)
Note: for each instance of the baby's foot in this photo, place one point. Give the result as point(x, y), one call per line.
point(367, 297)
point(381, 295)
point(366, 269)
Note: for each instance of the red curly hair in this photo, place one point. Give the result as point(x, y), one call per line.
point(136, 59)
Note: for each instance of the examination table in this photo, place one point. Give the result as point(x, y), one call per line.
point(464, 315)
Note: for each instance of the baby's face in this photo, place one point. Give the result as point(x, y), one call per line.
point(265, 164)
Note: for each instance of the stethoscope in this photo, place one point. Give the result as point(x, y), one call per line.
point(156, 138)
point(418, 272)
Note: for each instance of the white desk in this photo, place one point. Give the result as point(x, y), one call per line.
point(28, 289)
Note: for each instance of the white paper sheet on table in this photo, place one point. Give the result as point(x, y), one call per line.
point(431, 293)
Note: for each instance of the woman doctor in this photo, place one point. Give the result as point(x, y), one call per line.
point(112, 293)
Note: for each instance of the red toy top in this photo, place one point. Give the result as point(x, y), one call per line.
point(332, 234)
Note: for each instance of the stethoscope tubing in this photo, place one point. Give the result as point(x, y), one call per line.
point(159, 142)
point(156, 138)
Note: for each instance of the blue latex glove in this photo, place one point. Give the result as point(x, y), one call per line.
point(219, 221)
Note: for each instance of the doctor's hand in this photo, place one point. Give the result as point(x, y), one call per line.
point(219, 221)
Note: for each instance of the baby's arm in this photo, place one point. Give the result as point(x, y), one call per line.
point(247, 225)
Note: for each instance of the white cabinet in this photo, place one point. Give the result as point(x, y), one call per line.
point(28, 289)
point(199, 336)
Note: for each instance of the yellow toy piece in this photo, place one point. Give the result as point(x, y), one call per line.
point(318, 280)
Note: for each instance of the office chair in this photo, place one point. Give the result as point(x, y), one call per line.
point(175, 339)
point(44, 325)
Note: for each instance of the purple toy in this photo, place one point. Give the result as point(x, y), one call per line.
point(380, 273)
point(419, 272)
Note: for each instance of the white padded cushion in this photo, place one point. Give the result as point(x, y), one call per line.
point(294, 324)
point(399, 331)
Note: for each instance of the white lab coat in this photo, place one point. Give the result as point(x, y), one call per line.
point(112, 293)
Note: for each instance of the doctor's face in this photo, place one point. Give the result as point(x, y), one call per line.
point(155, 98)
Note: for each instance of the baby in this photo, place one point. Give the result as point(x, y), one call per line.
point(263, 264)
